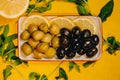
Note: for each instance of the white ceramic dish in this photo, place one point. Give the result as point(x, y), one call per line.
point(98, 31)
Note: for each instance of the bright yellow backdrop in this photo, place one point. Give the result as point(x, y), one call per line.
point(107, 68)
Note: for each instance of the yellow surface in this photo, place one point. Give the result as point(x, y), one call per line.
point(107, 68)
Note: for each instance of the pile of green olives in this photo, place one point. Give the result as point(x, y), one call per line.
point(40, 40)
point(76, 41)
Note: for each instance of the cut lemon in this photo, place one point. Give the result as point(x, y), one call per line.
point(85, 23)
point(62, 22)
point(13, 8)
point(35, 19)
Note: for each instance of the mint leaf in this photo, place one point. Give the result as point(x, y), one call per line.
point(7, 72)
point(107, 10)
point(6, 30)
point(11, 38)
point(113, 45)
point(34, 76)
point(62, 74)
point(1, 28)
point(41, 9)
point(86, 64)
point(44, 77)
point(39, 0)
point(74, 65)
point(30, 8)
point(82, 10)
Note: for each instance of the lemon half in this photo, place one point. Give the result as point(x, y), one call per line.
point(13, 8)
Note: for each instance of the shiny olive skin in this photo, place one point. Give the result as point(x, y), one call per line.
point(26, 49)
point(42, 47)
point(37, 35)
point(32, 28)
point(44, 27)
point(64, 41)
point(54, 29)
point(75, 46)
point(92, 52)
point(76, 31)
point(70, 54)
point(47, 38)
point(81, 51)
point(25, 35)
point(95, 39)
point(85, 33)
point(33, 43)
point(87, 44)
point(37, 54)
point(55, 42)
point(60, 53)
point(51, 52)
point(65, 32)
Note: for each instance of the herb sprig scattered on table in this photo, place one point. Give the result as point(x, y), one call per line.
point(8, 52)
point(40, 9)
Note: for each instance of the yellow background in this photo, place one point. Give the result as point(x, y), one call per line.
point(107, 68)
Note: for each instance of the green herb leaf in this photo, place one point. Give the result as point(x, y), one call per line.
point(39, 0)
point(11, 38)
point(6, 30)
point(86, 64)
point(7, 72)
point(25, 62)
point(62, 74)
point(30, 8)
point(34, 76)
point(107, 10)
point(44, 77)
point(113, 44)
point(82, 10)
point(1, 28)
point(72, 65)
point(41, 9)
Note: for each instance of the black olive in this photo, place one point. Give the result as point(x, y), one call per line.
point(87, 43)
point(65, 32)
point(64, 41)
point(60, 52)
point(70, 54)
point(85, 33)
point(95, 39)
point(92, 52)
point(75, 46)
point(81, 51)
point(76, 31)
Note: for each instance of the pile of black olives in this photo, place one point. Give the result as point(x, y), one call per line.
point(75, 41)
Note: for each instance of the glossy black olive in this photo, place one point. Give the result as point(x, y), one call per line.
point(65, 32)
point(85, 33)
point(75, 46)
point(64, 41)
point(92, 52)
point(81, 51)
point(70, 54)
point(87, 43)
point(60, 52)
point(95, 39)
point(76, 31)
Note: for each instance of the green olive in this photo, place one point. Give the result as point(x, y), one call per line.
point(50, 53)
point(44, 27)
point(42, 47)
point(54, 29)
point(47, 38)
point(32, 28)
point(37, 54)
point(27, 49)
point(37, 35)
point(33, 42)
point(55, 42)
point(25, 35)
